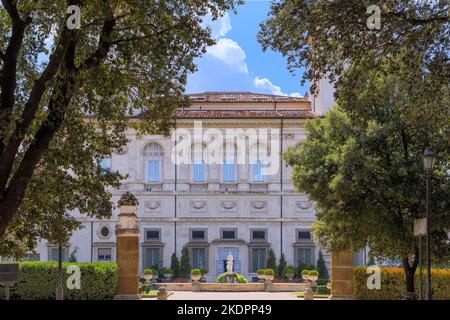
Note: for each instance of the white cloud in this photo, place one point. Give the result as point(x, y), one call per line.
point(264, 83)
point(231, 53)
point(219, 27)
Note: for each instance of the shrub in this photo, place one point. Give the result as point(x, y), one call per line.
point(322, 289)
point(393, 284)
point(196, 272)
point(260, 271)
point(149, 271)
point(271, 260)
point(289, 269)
point(313, 273)
point(167, 271)
point(239, 278)
point(185, 263)
point(322, 267)
point(175, 265)
point(281, 266)
point(204, 271)
point(269, 272)
point(38, 281)
point(305, 273)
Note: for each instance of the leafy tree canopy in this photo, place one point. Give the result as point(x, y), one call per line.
point(66, 96)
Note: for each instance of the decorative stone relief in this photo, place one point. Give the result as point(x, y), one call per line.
point(303, 205)
point(198, 205)
point(228, 206)
point(258, 205)
point(152, 205)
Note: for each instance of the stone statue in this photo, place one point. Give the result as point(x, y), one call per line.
point(229, 263)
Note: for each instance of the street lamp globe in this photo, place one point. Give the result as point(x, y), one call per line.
point(428, 159)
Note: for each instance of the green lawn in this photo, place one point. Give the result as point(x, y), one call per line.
point(302, 294)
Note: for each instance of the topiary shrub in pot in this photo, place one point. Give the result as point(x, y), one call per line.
point(313, 275)
point(168, 273)
point(149, 274)
point(196, 275)
point(269, 274)
point(305, 275)
point(260, 273)
point(289, 271)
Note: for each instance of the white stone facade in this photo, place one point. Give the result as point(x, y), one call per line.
point(262, 214)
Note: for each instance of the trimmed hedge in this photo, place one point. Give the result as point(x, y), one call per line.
point(393, 284)
point(38, 281)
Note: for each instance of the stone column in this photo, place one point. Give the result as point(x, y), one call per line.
point(127, 249)
point(341, 275)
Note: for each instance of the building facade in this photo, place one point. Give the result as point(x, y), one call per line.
point(213, 208)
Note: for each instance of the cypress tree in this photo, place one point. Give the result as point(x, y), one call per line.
point(185, 263)
point(175, 265)
point(322, 267)
point(281, 266)
point(271, 260)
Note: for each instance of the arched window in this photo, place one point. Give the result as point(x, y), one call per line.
point(258, 153)
point(229, 167)
point(153, 162)
point(199, 167)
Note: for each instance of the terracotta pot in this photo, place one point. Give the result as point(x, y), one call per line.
point(313, 278)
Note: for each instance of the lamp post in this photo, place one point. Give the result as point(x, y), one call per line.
point(428, 164)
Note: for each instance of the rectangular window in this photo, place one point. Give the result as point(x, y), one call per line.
point(104, 254)
point(198, 234)
point(228, 234)
point(258, 259)
point(153, 169)
point(259, 235)
point(151, 258)
point(152, 234)
point(229, 172)
point(303, 235)
point(198, 256)
point(305, 255)
point(54, 254)
point(199, 172)
point(106, 164)
point(257, 175)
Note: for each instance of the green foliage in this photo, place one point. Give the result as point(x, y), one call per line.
point(322, 267)
point(108, 70)
point(393, 284)
point(313, 273)
point(150, 271)
point(289, 270)
point(239, 278)
point(269, 272)
point(168, 271)
point(196, 272)
point(260, 271)
point(304, 266)
point(305, 273)
point(281, 266)
point(271, 260)
point(185, 263)
point(175, 265)
point(323, 290)
point(204, 271)
point(38, 281)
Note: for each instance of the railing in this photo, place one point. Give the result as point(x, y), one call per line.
point(198, 186)
point(153, 186)
point(228, 186)
point(259, 186)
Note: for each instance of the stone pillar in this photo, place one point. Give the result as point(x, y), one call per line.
point(341, 275)
point(127, 249)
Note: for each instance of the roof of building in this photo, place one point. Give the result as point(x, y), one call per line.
point(243, 114)
point(232, 96)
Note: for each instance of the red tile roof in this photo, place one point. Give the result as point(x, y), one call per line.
point(243, 114)
point(226, 96)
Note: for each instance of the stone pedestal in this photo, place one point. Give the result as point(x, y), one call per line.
point(268, 286)
point(196, 286)
point(342, 276)
point(127, 250)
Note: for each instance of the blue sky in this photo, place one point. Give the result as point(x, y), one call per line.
point(237, 62)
